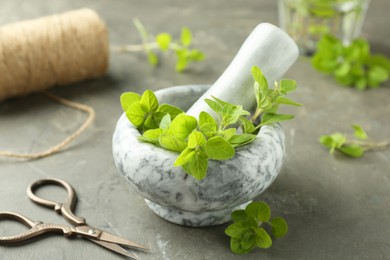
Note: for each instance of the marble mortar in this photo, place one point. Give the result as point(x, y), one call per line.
point(178, 197)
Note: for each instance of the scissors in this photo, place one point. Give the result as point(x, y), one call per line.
point(80, 226)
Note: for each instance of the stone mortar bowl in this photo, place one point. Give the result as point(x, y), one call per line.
point(178, 197)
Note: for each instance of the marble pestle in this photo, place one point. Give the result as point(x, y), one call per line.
point(267, 47)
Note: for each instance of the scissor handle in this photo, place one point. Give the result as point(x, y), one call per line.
point(36, 228)
point(65, 208)
point(22, 219)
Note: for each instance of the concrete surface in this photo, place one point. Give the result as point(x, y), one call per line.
point(336, 207)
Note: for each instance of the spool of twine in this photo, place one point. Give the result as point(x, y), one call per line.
point(53, 50)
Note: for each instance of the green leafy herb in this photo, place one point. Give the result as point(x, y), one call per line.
point(268, 100)
point(351, 65)
point(351, 147)
point(197, 141)
point(145, 112)
point(247, 232)
point(165, 42)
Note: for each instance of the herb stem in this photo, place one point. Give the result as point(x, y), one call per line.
point(141, 29)
point(256, 114)
point(137, 47)
point(145, 47)
point(368, 145)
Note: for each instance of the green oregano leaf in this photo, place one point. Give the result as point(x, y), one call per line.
point(128, 99)
point(208, 129)
point(152, 135)
point(182, 126)
point(152, 58)
point(186, 36)
point(263, 240)
point(248, 240)
point(279, 227)
point(377, 75)
point(352, 150)
point(172, 143)
point(136, 113)
point(258, 77)
point(149, 101)
point(236, 246)
point(218, 148)
point(359, 132)
point(173, 111)
point(163, 40)
point(239, 215)
point(196, 55)
point(287, 101)
point(262, 98)
point(197, 166)
point(165, 121)
point(228, 133)
point(229, 113)
point(185, 156)
point(270, 118)
point(213, 105)
point(196, 139)
point(333, 141)
point(247, 125)
point(150, 122)
point(287, 85)
point(236, 229)
point(258, 210)
point(206, 118)
point(182, 60)
point(241, 139)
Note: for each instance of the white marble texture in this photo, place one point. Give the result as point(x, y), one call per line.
point(178, 197)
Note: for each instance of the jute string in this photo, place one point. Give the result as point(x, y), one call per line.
point(58, 147)
point(54, 50)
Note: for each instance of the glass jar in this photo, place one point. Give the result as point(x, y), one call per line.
point(307, 20)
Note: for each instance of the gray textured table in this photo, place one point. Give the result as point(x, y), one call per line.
point(336, 207)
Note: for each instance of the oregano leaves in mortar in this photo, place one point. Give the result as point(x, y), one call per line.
point(199, 140)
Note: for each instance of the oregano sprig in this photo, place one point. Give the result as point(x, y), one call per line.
point(351, 65)
point(165, 42)
point(247, 231)
point(145, 112)
point(352, 147)
point(199, 140)
point(268, 100)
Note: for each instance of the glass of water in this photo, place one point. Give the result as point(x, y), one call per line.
point(306, 21)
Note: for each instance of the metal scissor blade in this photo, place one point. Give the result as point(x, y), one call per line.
point(121, 241)
point(112, 247)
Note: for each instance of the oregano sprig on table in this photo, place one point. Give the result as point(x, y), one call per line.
point(352, 147)
point(352, 65)
point(198, 141)
point(165, 42)
point(247, 231)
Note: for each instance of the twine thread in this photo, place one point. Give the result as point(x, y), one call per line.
point(53, 50)
point(56, 148)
